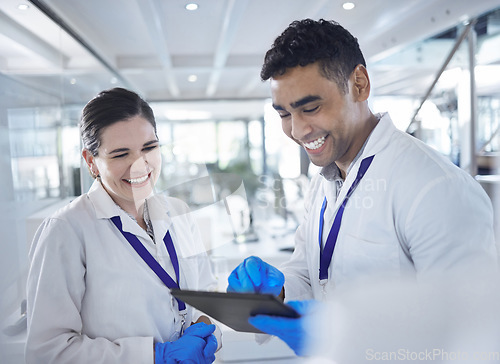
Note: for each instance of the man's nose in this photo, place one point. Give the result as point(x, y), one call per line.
point(300, 127)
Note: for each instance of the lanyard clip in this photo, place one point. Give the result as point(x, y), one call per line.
point(183, 315)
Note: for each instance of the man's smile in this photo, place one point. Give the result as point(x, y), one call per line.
point(315, 144)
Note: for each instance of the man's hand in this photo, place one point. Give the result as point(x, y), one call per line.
point(256, 276)
point(293, 331)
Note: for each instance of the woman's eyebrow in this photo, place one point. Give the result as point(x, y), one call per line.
point(151, 142)
point(119, 150)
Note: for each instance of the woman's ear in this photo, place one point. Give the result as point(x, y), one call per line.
point(361, 83)
point(90, 160)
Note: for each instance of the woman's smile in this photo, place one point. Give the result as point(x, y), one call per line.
point(139, 180)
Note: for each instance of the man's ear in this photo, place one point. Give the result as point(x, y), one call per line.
point(361, 83)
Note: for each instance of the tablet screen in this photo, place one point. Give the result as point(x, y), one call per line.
point(234, 309)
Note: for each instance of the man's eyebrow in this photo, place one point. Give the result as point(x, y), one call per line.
point(303, 101)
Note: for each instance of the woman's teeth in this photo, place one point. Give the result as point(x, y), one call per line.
point(316, 143)
point(138, 180)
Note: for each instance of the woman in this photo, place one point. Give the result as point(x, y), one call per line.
point(100, 267)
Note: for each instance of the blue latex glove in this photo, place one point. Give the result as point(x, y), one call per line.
point(293, 331)
point(196, 345)
point(256, 276)
point(210, 348)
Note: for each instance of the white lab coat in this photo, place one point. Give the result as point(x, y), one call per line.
point(92, 299)
point(413, 214)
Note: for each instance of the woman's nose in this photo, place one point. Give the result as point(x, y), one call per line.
point(140, 164)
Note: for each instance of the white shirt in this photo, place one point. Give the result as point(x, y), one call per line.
point(92, 299)
point(413, 214)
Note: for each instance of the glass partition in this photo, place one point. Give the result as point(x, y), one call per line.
point(40, 102)
point(452, 104)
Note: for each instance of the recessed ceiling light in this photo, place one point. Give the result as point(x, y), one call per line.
point(192, 78)
point(348, 6)
point(72, 81)
point(23, 6)
point(191, 6)
point(187, 114)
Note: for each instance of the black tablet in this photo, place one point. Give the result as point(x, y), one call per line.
point(234, 309)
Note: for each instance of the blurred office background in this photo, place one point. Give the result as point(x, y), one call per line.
point(434, 65)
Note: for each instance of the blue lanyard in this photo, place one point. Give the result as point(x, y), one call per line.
point(151, 261)
point(325, 255)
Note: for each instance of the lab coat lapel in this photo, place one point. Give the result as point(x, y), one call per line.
point(106, 208)
point(159, 215)
point(131, 226)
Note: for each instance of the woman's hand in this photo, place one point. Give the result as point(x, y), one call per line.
point(203, 319)
point(196, 345)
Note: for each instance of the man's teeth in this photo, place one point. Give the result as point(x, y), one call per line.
point(138, 180)
point(316, 143)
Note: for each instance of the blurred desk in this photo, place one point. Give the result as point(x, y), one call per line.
point(242, 348)
point(226, 253)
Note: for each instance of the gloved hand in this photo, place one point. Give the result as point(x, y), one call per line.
point(293, 331)
point(196, 345)
point(255, 275)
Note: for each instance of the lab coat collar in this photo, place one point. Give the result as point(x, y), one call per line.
point(377, 141)
point(106, 208)
point(379, 137)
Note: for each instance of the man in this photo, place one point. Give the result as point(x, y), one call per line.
point(384, 204)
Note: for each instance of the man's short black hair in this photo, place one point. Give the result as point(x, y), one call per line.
point(308, 41)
